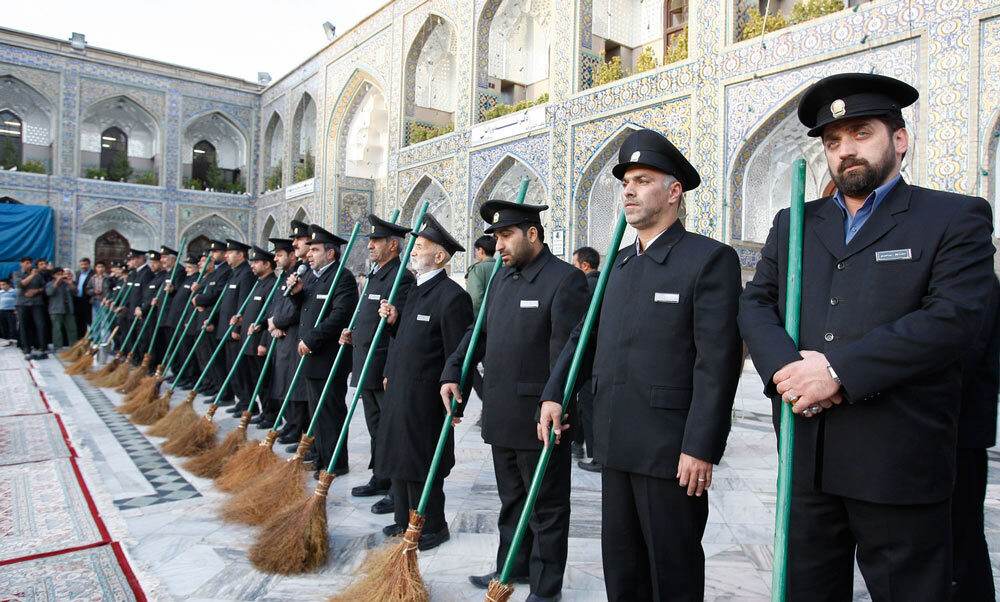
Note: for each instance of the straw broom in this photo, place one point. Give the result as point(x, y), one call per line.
point(209, 462)
point(295, 540)
point(78, 349)
point(176, 420)
point(130, 377)
point(500, 588)
point(200, 437)
point(81, 365)
point(390, 572)
point(282, 484)
point(82, 347)
point(132, 381)
point(108, 368)
point(251, 460)
point(116, 378)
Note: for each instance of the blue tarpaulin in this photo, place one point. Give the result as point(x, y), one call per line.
point(25, 231)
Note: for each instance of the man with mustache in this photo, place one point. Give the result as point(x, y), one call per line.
point(895, 280)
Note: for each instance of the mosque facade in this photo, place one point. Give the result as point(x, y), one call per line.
point(453, 102)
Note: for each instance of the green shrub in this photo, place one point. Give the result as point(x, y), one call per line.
point(119, 170)
point(273, 181)
point(802, 11)
point(501, 109)
point(678, 49)
point(146, 178)
point(646, 61)
point(423, 133)
point(805, 10)
point(609, 71)
point(8, 154)
point(95, 174)
point(195, 184)
point(33, 167)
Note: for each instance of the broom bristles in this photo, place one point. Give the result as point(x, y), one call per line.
point(176, 419)
point(276, 489)
point(136, 375)
point(73, 353)
point(195, 439)
point(153, 411)
point(295, 540)
point(209, 463)
point(141, 398)
point(82, 365)
point(139, 390)
point(390, 571)
point(116, 378)
point(498, 592)
point(253, 459)
point(107, 369)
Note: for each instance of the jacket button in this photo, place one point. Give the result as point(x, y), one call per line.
point(840, 265)
point(828, 337)
point(834, 301)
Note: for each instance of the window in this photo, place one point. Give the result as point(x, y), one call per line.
point(198, 245)
point(110, 246)
point(10, 140)
point(201, 161)
point(114, 144)
point(675, 18)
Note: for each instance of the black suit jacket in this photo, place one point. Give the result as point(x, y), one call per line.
point(429, 328)
point(178, 300)
point(529, 315)
point(241, 281)
point(151, 290)
point(664, 355)
point(285, 313)
point(212, 285)
point(893, 311)
point(323, 339)
point(977, 420)
point(252, 310)
point(379, 285)
point(138, 280)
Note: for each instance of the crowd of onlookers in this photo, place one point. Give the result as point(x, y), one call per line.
point(45, 307)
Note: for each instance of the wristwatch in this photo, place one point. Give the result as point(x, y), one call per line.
point(833, 374)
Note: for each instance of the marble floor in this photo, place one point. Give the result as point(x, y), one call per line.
point(167, 518)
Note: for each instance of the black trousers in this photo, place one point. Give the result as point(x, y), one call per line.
point(372, 400)
point(903, 550)
point(972, 573)
point(163, 335)
point(296, 415)
point(83, 313)
point(227, 359)
point(651, 538)
point(32, 320)
point(585, 428)
point(406, 497)
point(330, 420)
point(245, 380)
point(8, 324)
point(185, 346)
point(542, 554)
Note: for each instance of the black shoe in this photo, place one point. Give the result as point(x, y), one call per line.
point(288, 428)
point(393, 530)
point(372, 487)
point(483, 581)
point(592, 466)
point(237, 410)
point(537, 598)
point(209, 392)
point(262, 420)
point(577, 449)
point(429, 541)
point(384, 505)
point(291, 437)
point(311, 456)
point(222, 403)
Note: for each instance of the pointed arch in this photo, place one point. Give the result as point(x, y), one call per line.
point(273, 152)
point(214, 226)
point(597, 198)
point(140, 232)
point(302, 215)
point(267, 231)
point(304, 138)
point(35, 115)
point(503, 182)
point(430, 88)
point(130, 116)
point(440, 205)
point(231, 144)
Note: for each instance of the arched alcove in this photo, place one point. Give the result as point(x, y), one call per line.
point(267, 231)
point(598, 199)
point(438, 203)
point(624, 29)
point(137, 232)
point(111, 246)
point(272, 152)
point(302, 215)
point(504, 182)
point(35, 129)
point(430, 87)
point(513, 52)
point(304, 139)
point(212, 226)
point(136, 124)
point(229, 144)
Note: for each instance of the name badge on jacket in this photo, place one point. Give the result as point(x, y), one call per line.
point(894, 255)
point(666, 298)
point(531, 303)
point(232, 286)
point(423, 318)
point(257, 298)
point(322, 296)
point(374, 297)
point(152, 286)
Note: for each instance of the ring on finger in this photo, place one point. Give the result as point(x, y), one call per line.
point(793, 398)
point(701, 480)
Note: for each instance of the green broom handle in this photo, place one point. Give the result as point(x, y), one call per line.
point(94, 334)
point(174, 340)
point(786, 440)
point(260, 379)
point(128, 334)
point(340, 351)
point(319, 318)
point(146, 319)
point(197, 341)
point(404, 259)
point(246, 339)
point(223, 340)
point(93, 329)
point(166, 296)
point(135, 343)
point(574, 369)
point(425, 495)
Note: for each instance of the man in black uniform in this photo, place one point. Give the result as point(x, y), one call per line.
point(977, 431)
point(241, 282)
point(147, 305)
point(168, 258)
point(191, 374)
point(283, 324)
point(535, 301)
point(895, 279)
point(180, 298)
point(424, 333)
point(206, 294)
point(245, 380)
point(319, 343)
point(385, 241)
point(665, 364)
point(588, 261)
point(136, 282)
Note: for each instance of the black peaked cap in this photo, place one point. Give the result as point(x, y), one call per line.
point(850, 95)
point(434, 231)
point(652, 149)
point(500, 214)
point(381, 228)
